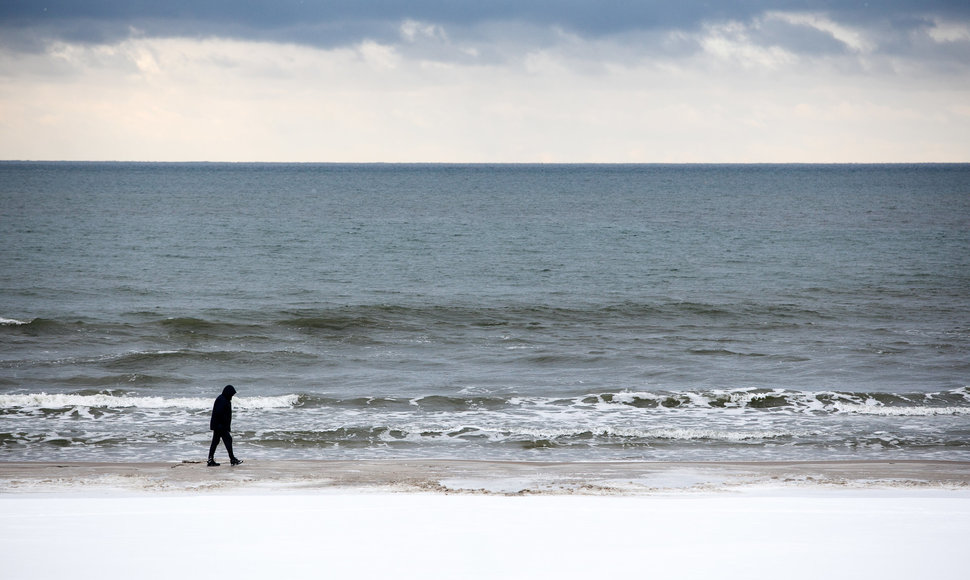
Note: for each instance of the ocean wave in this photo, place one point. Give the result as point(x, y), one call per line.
point(36, 325)
point(647, 434)
point(112, 401)
point(375, 318)
point(953, 402)
point(200, 327)
point(956, 401)
point(433, 403)
point(188, 323)
point(902, 411)
point(137, 361)
point(416, 433)
point(331, 322)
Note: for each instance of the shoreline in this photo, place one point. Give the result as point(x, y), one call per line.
point(479, 476)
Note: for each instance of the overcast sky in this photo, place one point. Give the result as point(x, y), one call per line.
point(485, 81)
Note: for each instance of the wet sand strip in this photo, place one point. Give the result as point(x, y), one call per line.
point(458, 476)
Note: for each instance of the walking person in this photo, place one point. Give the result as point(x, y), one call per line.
point(220, 424)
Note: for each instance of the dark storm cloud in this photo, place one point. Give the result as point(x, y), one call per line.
point(331, 22)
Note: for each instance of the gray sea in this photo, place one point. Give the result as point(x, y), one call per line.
point(521, 312)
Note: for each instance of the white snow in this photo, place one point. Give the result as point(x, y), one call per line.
point(775, 533)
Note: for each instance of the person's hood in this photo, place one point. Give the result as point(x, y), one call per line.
point(229, 391)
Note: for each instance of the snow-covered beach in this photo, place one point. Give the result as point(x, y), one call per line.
point(469, 519)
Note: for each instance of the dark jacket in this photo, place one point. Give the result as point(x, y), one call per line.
point(222, 410)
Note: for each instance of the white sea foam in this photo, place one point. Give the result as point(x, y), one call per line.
point(60, 401)
point(878, 409)
point(780, 400)
point(671, 433)
point(504, 431)
point(11, 322)
point(280, 402)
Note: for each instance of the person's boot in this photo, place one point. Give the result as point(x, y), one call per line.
point(212, 463)
point(235, 461)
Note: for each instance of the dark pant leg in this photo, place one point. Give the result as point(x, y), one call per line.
point(227, 440)
point(214, 444)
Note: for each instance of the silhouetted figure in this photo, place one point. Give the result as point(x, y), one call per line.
point(220, 424)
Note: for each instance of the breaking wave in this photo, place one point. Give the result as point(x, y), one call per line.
point(952, 402)
point(112, 401)
point(956, 401)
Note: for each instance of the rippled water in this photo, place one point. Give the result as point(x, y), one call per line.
point(521, 312)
